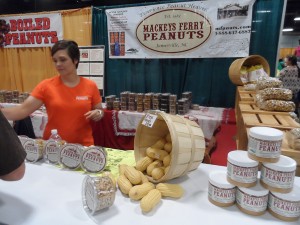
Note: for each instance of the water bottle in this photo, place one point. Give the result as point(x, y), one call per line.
point(54, 135)
point(52, 148)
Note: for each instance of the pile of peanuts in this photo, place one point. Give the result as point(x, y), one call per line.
point(134, 182)
point(136, 185)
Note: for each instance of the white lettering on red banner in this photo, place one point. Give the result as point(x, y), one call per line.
point(30, 31)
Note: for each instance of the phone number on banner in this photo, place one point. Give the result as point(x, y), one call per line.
point(229, 32)
point(233, 30)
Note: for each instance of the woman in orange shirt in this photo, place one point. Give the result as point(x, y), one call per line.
point(71, 101)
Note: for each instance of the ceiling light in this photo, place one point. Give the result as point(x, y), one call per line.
point(287, 29)
point(264, 11)
point(297, 18)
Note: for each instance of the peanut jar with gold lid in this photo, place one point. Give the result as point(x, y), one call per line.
point(98, 192)
point(264, 144)
point(285, 206)
point(241, 170)
point(220, 191)
point(279, 176)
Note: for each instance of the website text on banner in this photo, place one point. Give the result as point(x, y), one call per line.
point(199, 29)
point(32, 30)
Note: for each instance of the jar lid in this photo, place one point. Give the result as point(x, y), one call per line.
point(93, 159)
point(219, 179)
point(285, 164)
point(266, 133)
point(240, 158)
point(293, 196)
point(70, 155)
point(256, 190)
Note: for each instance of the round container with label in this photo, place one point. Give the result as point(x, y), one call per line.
point(22, 139)
point(285, 206)
point(253, 200)
point(220, 191)
point(52, 151)
point(279, 176)
point(97, 193)
point(34, 149)
point(241, 170)
point(264, 144)
point(70, 155)
point(93, 159)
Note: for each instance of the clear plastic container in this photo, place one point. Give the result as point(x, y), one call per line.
point(34, 149)
point(70, 155)
point(52, 147)
point(93, 159)
point(97, 193)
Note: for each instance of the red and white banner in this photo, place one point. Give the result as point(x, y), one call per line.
point(40, 30)
point(198, 29)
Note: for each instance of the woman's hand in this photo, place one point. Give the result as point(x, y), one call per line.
point(95, 115)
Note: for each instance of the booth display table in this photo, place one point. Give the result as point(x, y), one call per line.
point(49, 195)
point(117, 128)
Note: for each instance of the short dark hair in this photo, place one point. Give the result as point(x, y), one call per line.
point(292, 59)
point(70, 46)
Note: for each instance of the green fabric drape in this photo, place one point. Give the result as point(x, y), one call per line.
point(206, 78)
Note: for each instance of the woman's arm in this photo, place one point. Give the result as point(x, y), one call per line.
point(21, 111)
point(96, 114)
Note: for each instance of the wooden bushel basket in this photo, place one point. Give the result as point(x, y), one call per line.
point(252, 60)
point(187, 141)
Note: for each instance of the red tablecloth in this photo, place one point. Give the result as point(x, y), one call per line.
point(112, 133)
point(104, 134)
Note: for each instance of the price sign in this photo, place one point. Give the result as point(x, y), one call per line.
point(149, 120)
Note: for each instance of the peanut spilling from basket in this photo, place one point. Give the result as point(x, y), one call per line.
point(133, 181)
point(157, 159)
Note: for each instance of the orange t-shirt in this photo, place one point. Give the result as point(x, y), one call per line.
point(66, 107)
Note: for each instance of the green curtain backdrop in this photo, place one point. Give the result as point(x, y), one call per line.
point(206, 78)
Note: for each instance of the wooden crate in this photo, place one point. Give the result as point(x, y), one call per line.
point(292, 153)
point(248, 120)
point(242, 96)
point(249, 107)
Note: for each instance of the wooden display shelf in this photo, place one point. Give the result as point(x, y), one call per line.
point(253, 108)
point(248, 120)
point(292, 153)
point(249, 115)
point(243, 96)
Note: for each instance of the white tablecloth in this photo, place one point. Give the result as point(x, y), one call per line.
point(208, 118)
point(48, 195)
